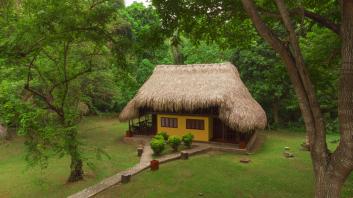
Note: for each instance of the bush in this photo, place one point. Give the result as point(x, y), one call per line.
point(164, 134)
point(187, 139)
point(157, 145)
point(158, 136)
point(174, 142)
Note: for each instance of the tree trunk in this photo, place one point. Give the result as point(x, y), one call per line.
point(275, 112)
point(175, 41)
point(76, 170)
point(76, 160)
point(328, 184)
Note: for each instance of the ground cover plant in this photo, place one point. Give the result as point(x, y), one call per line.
point(217, 174)
point(18, 180)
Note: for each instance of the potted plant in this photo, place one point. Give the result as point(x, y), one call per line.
point(154, 164)
point(242, 144)
point(174, 142)
point(128, 133)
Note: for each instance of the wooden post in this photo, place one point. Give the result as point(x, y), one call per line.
point(125, 178)
point(223, 135)
point(139, 151)
point(184, 155)
point(129, 126)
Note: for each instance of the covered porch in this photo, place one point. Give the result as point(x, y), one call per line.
point(221, 133)
point(144, 125)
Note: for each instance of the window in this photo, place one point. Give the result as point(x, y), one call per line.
point(169, 122)
point(195, 124)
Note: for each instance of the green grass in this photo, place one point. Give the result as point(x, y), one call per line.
point(17, 180)
point(219, 174)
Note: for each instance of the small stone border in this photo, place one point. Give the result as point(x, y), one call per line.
point(145, 164)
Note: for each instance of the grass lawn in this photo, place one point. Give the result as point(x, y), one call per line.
point(17, 180)
point(219, 174)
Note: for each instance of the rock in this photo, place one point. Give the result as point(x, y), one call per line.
point(3, 132)
point(286, 148)
point(305, 146)
point(288, 154)
point(200, 194)
point(245, 160)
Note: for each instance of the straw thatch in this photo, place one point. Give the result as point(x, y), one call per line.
point(190, 87)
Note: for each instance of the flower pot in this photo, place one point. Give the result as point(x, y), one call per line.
point(242, 144)
point(128, 134)
point(154, 165)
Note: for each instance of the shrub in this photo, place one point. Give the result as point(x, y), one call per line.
point(158, 136)
point(174, 142)
point(187, 139)
point(164, 134)
point(157, 145)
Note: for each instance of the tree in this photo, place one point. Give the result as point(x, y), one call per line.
point(148, 48)
point(214, 18)
point(55, 44)
point(176, 48)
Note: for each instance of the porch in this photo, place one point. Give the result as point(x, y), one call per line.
point(144, 125)
point(221, 133)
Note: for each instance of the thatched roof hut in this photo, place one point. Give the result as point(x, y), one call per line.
point(188, 87)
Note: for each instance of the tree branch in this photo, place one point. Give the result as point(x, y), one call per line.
point(317, 18)
point(66, 50)
point(318, 138)
point(322, 21)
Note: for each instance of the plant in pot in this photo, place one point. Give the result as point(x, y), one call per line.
point(128, 133)
point(157, 144)
point(242, 144)
point(174, 142)
point(187, 139)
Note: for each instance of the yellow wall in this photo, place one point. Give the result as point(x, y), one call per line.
point(199, 135)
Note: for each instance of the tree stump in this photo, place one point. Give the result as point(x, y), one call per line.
point(184, 155)
point(125, 178)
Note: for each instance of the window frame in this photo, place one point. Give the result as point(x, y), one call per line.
point(195, 124)
point(167, 122)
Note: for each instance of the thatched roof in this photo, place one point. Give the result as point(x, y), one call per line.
point(190, 87)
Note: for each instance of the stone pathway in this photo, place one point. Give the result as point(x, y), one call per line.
point(142, 165)
point(145, 164)
point(110, 181)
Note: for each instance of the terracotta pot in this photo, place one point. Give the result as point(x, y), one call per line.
point(154, 165)
point(242, 144)
point(128, 134)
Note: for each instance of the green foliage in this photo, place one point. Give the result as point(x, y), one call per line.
point(157, 144)
point(62, 49)
point(164, 135)
point(187, 139)
point(174, 142)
